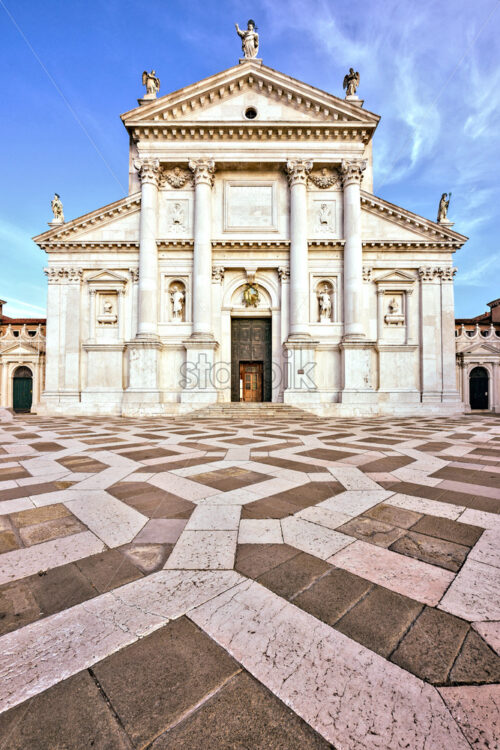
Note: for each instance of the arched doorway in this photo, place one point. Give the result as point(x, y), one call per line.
point(22, 397)
point(478, 388)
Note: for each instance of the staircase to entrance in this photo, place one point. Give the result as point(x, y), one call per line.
point(252, 411)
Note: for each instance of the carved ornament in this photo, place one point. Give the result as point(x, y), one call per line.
point(325, 178)
point(177, 177)
point(298, 171)
point(352, 171)
point(203, 170)
point(149, 170)
point(218, 274)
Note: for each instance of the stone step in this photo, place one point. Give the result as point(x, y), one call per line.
point(250, 411)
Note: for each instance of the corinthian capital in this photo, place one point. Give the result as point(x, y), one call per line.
point(149, 170)
point(352, 170)
point(298, 171)
point(447, 273)
point(203, 170)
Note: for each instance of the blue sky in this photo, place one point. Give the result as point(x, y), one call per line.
point(68, 69)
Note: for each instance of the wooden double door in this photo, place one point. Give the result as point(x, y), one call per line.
point(251, 371)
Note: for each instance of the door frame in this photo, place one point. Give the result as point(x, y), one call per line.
point(24, 378)
point(267, 363)
point(260, 365)
point(488, 386)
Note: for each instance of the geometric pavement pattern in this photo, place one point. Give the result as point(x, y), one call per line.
point(274, 583)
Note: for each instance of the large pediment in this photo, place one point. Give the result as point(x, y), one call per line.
point(277, 98)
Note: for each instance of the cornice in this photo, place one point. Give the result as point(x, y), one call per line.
point(419, 224)
point(55, 246)
point(251, 131)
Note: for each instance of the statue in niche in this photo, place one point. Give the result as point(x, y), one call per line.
point(251, 296)
point(324, 217)
point(177, 216)
point(57, 209)
point(351, 82)
point(325, 304)
point(152, 84)
point(443, 207)
point(108, 314)
point(249, 39)
point(394, 315)
point(177, 302)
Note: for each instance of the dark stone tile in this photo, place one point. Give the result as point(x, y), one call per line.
point(369, 530)
point(476, 662)
point(39, 515)
point(152, 501)
point(431, 550)
point(295, 574)
point(60, 588)
point(108, 570)
point(387, 464)
point(469, 476)
point(82, 464)
point(146, 453)
point(13, 472)
point(379, 620)
point(253, 560)
point(8, 541)
point(18, 606)
point(243, 441)
point(31, 489)
point(434, 446)
point(72, 715)
point(152, 683)
point(326, 454)
point(332, 596)
point(46, 447)
point(230, 478)
point(452, 531)
point(244, 714)
point(429, 649)
point(393, 516)
point(183, 462)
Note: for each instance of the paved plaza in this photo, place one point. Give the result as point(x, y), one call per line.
point(276, 583)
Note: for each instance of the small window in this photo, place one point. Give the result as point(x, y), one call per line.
point(251, 113)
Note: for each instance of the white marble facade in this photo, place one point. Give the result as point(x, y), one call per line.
point(271, 217)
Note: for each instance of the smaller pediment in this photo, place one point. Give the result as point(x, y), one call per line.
point(481, 349)
point(20, 348)
point(106, 277)
point(395, 277)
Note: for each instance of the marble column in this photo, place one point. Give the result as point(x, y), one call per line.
point(298, 170)
point(448, 355)
point(430, 334)
point(203, 170)
point(352, 174)
point(147, 318)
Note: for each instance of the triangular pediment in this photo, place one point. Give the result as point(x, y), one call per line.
point(106, 276)
point(276, 97)
point(117, 221)
point(482, 348)
point(384, 221)
point(20, 348)
point(397, 277)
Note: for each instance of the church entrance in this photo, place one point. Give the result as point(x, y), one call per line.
point(251, 371)
point(478, 388)
point(22, 389)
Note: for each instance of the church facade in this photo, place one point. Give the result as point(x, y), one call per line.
point(250, 261)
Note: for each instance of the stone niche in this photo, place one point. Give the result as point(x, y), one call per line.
point(106, 291)
point(175, 297)
point(107, 308)
point(323, 299)
point(394, 307)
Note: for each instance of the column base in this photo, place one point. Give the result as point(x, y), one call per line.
point(199, 373)
point(300, 366)
point(143, 358)
point(357, 370)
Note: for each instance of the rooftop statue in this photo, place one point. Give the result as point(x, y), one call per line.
point(351, 82)
point(249, 39)
point(443, 207)
point(57, 209)
point(152, 84)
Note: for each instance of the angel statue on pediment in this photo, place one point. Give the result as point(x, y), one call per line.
point(249, 39)
point(151, 82)
point(351, 82)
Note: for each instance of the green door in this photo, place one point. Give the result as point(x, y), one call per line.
point(23, 394)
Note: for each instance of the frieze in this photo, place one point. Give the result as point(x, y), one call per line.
point(67, 275)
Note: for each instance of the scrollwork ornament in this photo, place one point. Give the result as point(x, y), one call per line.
point(177, 177)
point(218, 274)
point(367, 273)
point(326, 178)
point(284, 273)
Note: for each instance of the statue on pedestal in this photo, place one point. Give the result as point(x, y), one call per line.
point(249, 39)
point(325, 304)
point(177, 297)
point(57, 209)
point(351, 82)
point(443, 207)
point(152, 84)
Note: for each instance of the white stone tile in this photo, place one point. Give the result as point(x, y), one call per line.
point(481, 518)
point(9, 484)
point(490, 631)
point(330, 519)
point(413, 578)
point(104, 479)
point(476, 709)
point(111, 520)
point(354, 502)
point(182, 486)
point(354, 698)
point(475, 593)
point(260, 531)
point(487, 548)
point(39, 467)
point(352, 478)
point(309, 537)
point(204, 550)
point(238, 453)
point(422, 505)
point(48, 651)
point(233, 497)
point(25, 562)
point(406, 474)
point(12, 506)
point(270, 487)
point(214, 518)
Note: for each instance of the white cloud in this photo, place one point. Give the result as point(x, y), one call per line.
point(479, 275)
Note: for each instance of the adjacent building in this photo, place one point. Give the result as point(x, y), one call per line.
point(478, 359)
point(250, 261)
point(22, 361)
